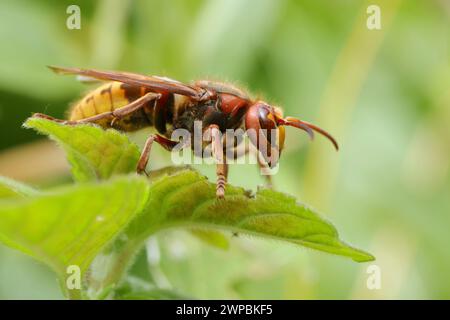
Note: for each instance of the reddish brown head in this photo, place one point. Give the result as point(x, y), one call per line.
point(265, 128)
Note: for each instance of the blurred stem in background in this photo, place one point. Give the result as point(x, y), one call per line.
point(108, 34)
point(339, 100)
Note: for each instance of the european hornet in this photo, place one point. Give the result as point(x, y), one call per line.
point(129, 101)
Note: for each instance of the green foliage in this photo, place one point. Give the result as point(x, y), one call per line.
point(188, 199)
point(101, 225)
point(69, 226)
point(92, 152)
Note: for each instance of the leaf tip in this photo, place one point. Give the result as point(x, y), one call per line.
point(361, 256)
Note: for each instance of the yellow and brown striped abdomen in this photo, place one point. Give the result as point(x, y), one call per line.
point(108, 97)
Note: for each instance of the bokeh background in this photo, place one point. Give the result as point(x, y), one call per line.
point(383, 93)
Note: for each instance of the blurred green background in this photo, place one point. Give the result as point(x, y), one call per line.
point(383, 93)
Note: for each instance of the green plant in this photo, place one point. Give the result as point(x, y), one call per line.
point(99, 223)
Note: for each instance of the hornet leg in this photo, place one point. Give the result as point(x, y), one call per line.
point(221, 165)
point(115, 114)
point(164, 142)
point(222, 176)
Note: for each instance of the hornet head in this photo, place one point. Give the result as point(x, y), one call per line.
point(265, 128)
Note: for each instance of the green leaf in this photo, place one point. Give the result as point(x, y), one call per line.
point(187, 199)
point(71, 225)
point(212, 237)
point(94, 153)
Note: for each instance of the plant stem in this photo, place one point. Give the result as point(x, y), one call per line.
point(108, 268)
